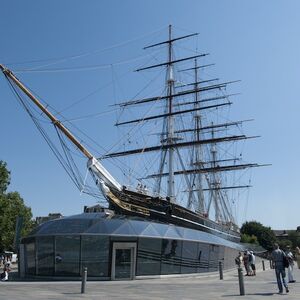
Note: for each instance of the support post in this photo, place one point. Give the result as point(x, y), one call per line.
point(241, 282)
point(221, 270)
point(83, 281)
point(263, 265)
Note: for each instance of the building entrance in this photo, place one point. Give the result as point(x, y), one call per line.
point(123, 261)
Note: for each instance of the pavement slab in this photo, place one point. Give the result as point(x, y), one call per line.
point(262, 286)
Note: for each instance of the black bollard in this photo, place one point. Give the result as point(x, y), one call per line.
point(241, 282)
point(263, 265)
point(83, 282)
point(221, 270)
point(271, 267)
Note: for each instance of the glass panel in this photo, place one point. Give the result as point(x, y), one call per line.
point(66, 226)
point(213, 258)
point(172, 233)
point(149, 256)
point(171, 256)
point(160, 228)
point(190, 257)
point(123, 263)
point(125, 229)
point(203, 252)
point(45, 255)
point(30, 257)
point(67, 255)
point(95, 255)
point(139, 226)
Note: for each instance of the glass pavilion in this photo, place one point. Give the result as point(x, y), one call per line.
point(119, 247)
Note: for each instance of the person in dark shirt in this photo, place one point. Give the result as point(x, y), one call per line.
point(277, 257)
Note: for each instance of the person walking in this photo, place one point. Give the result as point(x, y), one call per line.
point(290, 257)
point(298, 256)
point(246, 263)
point(252, 263)
point(277, 258)
point(239, 260)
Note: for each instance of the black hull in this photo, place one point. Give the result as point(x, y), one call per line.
point(132, 203)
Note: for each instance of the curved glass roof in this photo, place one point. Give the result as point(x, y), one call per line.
point(106, 224)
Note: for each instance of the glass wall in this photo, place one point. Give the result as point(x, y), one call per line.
point(171, 256)
point(95, 255)
point(67, 254)
point(203, 251)
point(213, 258)
point(30, 256)
point(148, 256)
point(190, 257)
point(45, 255)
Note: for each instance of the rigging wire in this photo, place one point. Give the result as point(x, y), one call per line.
point(77, 56)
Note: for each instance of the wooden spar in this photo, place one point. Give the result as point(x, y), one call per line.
point(172, 114)
point(209, 170)
point(206, 99)
point(183, 144)
point(54, 120)
point(196, 83)
point(225, 125)
point(171, 40)
point(196, 68)
point(182, 93)
point(171, 62)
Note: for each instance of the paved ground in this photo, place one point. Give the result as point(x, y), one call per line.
point(262, 286)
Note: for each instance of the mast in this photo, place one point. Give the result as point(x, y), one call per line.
point(170, 120)
point(198, 148)
point(94, 165)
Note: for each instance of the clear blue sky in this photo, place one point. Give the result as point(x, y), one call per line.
point(255, 41)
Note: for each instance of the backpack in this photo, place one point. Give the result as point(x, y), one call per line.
point(237, 260)
point(285, 259)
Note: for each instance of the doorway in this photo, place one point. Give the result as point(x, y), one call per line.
point(123, 261)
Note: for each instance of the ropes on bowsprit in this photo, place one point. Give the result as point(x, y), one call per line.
point(65, 158)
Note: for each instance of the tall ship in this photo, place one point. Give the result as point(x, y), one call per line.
point(184, 178)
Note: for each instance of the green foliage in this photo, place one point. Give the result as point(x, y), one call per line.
point(249, 239)
point(294, 238)
point(11, 207)
point(284, 243)
point(4, 177)
point(265, 236)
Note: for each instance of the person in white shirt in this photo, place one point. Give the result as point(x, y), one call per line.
point(290, 257)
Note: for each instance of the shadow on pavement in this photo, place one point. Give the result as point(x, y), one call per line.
point(251, 294)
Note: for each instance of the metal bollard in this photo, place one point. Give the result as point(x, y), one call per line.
point(221, 270)
point(83, 282)
point(271, 267)
point(263, 265)
point(241, 282)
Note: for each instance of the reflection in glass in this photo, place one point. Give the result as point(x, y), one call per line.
point(30, 257)
point(203, 251)
point(149, 256)
point(171, 256)
point(123, 263)
point(45, 255)
point(67, 255)
point(190, 257)
point(213, 258)
point(95, 255)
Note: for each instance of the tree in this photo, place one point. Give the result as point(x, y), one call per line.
point(283, 244)
point(265, 236)
point(4, 177)
point(294, 237)
point(11, 207)
point(249, 239)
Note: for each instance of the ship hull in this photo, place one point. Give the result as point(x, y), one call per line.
point(132, 203)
